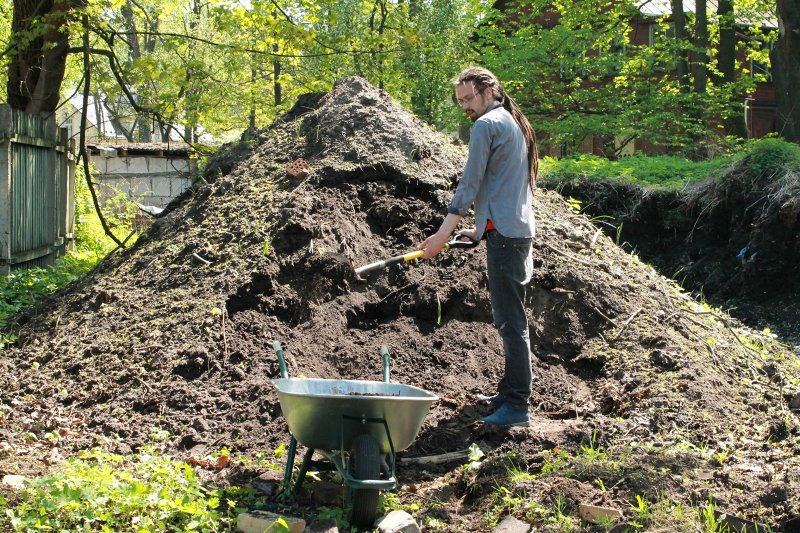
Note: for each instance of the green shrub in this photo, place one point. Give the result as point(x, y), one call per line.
point(773, 157)
point(99, 491)
point(25, 287)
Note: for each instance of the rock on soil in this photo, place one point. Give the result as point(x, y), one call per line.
point(171, 340)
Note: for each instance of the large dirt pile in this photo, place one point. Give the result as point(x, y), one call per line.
point(176, 333)
point(734, 238)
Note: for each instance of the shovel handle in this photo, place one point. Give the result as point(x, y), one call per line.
point(459, 241)
point(378, 265)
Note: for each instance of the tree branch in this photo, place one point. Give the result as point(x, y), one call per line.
point(333, 51)
point(82, 154)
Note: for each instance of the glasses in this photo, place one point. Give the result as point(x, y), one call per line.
point(467, 99)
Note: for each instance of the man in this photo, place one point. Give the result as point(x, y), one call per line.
point(498, 182)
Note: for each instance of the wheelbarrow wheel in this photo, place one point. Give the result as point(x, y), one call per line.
point(365, 463)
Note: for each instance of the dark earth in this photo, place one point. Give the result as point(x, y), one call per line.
point(639, 389)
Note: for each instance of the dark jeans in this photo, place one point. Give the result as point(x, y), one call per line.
point(510, 266)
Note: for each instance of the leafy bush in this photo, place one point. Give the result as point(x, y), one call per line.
point(659, 170)
point(99, 491)
point(25, 287)
point(773, 157)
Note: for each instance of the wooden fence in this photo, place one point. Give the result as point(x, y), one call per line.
point(37, 190)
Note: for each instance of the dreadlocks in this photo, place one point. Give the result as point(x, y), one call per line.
point(481, 79)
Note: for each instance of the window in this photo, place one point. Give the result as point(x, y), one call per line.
point(761, 69)
point(615, 54)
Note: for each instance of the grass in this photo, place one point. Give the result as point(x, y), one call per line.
point(768, 157)
point(664, 171)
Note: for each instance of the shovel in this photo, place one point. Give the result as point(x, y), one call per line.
point(459, 241)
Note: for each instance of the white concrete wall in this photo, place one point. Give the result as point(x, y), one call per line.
point(150, 179)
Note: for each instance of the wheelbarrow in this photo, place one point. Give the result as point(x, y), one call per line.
point(358, 426)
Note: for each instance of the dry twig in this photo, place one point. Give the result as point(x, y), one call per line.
point(626, 324)
point(569, 256)
point(727, 325)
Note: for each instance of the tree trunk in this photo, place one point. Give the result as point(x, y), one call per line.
point(679, 20)
point(276, 77)
point(726, 61)
point(785, 61)
point(701, 43)
point(36, 69)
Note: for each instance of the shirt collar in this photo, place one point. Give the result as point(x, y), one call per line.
point(494, 105)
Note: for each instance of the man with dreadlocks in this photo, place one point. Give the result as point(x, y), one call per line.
point(498, 182)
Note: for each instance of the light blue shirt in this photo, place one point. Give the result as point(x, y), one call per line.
point(496, 176)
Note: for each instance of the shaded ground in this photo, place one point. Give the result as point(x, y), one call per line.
point(637, 387)
point(733, 240)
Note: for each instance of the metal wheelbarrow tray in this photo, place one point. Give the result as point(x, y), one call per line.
point(357, 425)
point(326, 414)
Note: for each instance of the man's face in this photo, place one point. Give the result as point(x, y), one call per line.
point(472, 102)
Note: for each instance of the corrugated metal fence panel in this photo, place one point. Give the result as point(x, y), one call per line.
point(32, 197)
point(37, 188)
point(30, 125)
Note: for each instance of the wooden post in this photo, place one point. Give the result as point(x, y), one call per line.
point(5, 190)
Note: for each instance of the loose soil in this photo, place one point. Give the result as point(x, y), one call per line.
point(733, 239)
point(637, 387)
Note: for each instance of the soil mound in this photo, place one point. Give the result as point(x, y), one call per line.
point(175, 333)
point(734, 239)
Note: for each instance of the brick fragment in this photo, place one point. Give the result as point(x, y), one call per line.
point(298, 169)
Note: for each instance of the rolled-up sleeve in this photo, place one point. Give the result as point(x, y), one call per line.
point(480, 147)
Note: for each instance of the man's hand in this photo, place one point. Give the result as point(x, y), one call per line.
point(471, 234)
point(433, 244)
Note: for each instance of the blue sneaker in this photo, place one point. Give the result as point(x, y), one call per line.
point(495, 400)
point(507, 416)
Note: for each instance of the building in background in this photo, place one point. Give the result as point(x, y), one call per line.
point(152, 174)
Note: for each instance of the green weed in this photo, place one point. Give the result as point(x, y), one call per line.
point(574, 204)
point(99, 491)
point(721, 457)
point(474, 456)
point(641, 508)
point(25, 287)
point(555, 460)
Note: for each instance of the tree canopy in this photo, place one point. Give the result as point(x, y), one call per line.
point(218, 66)
point(610, 71)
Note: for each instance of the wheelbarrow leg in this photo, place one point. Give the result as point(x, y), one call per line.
point(287, 475)
point(301, 476)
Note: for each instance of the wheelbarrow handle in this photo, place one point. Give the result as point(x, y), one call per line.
point(385, 357)
point(281, 359)
point(459, 241)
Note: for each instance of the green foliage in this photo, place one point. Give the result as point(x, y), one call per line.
point(24, 287)
point(659, 170)
point(587, 75)
point(773, 157)
point(214, 67)
point(98, 491)
point(91, 242)
point(5, 33)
